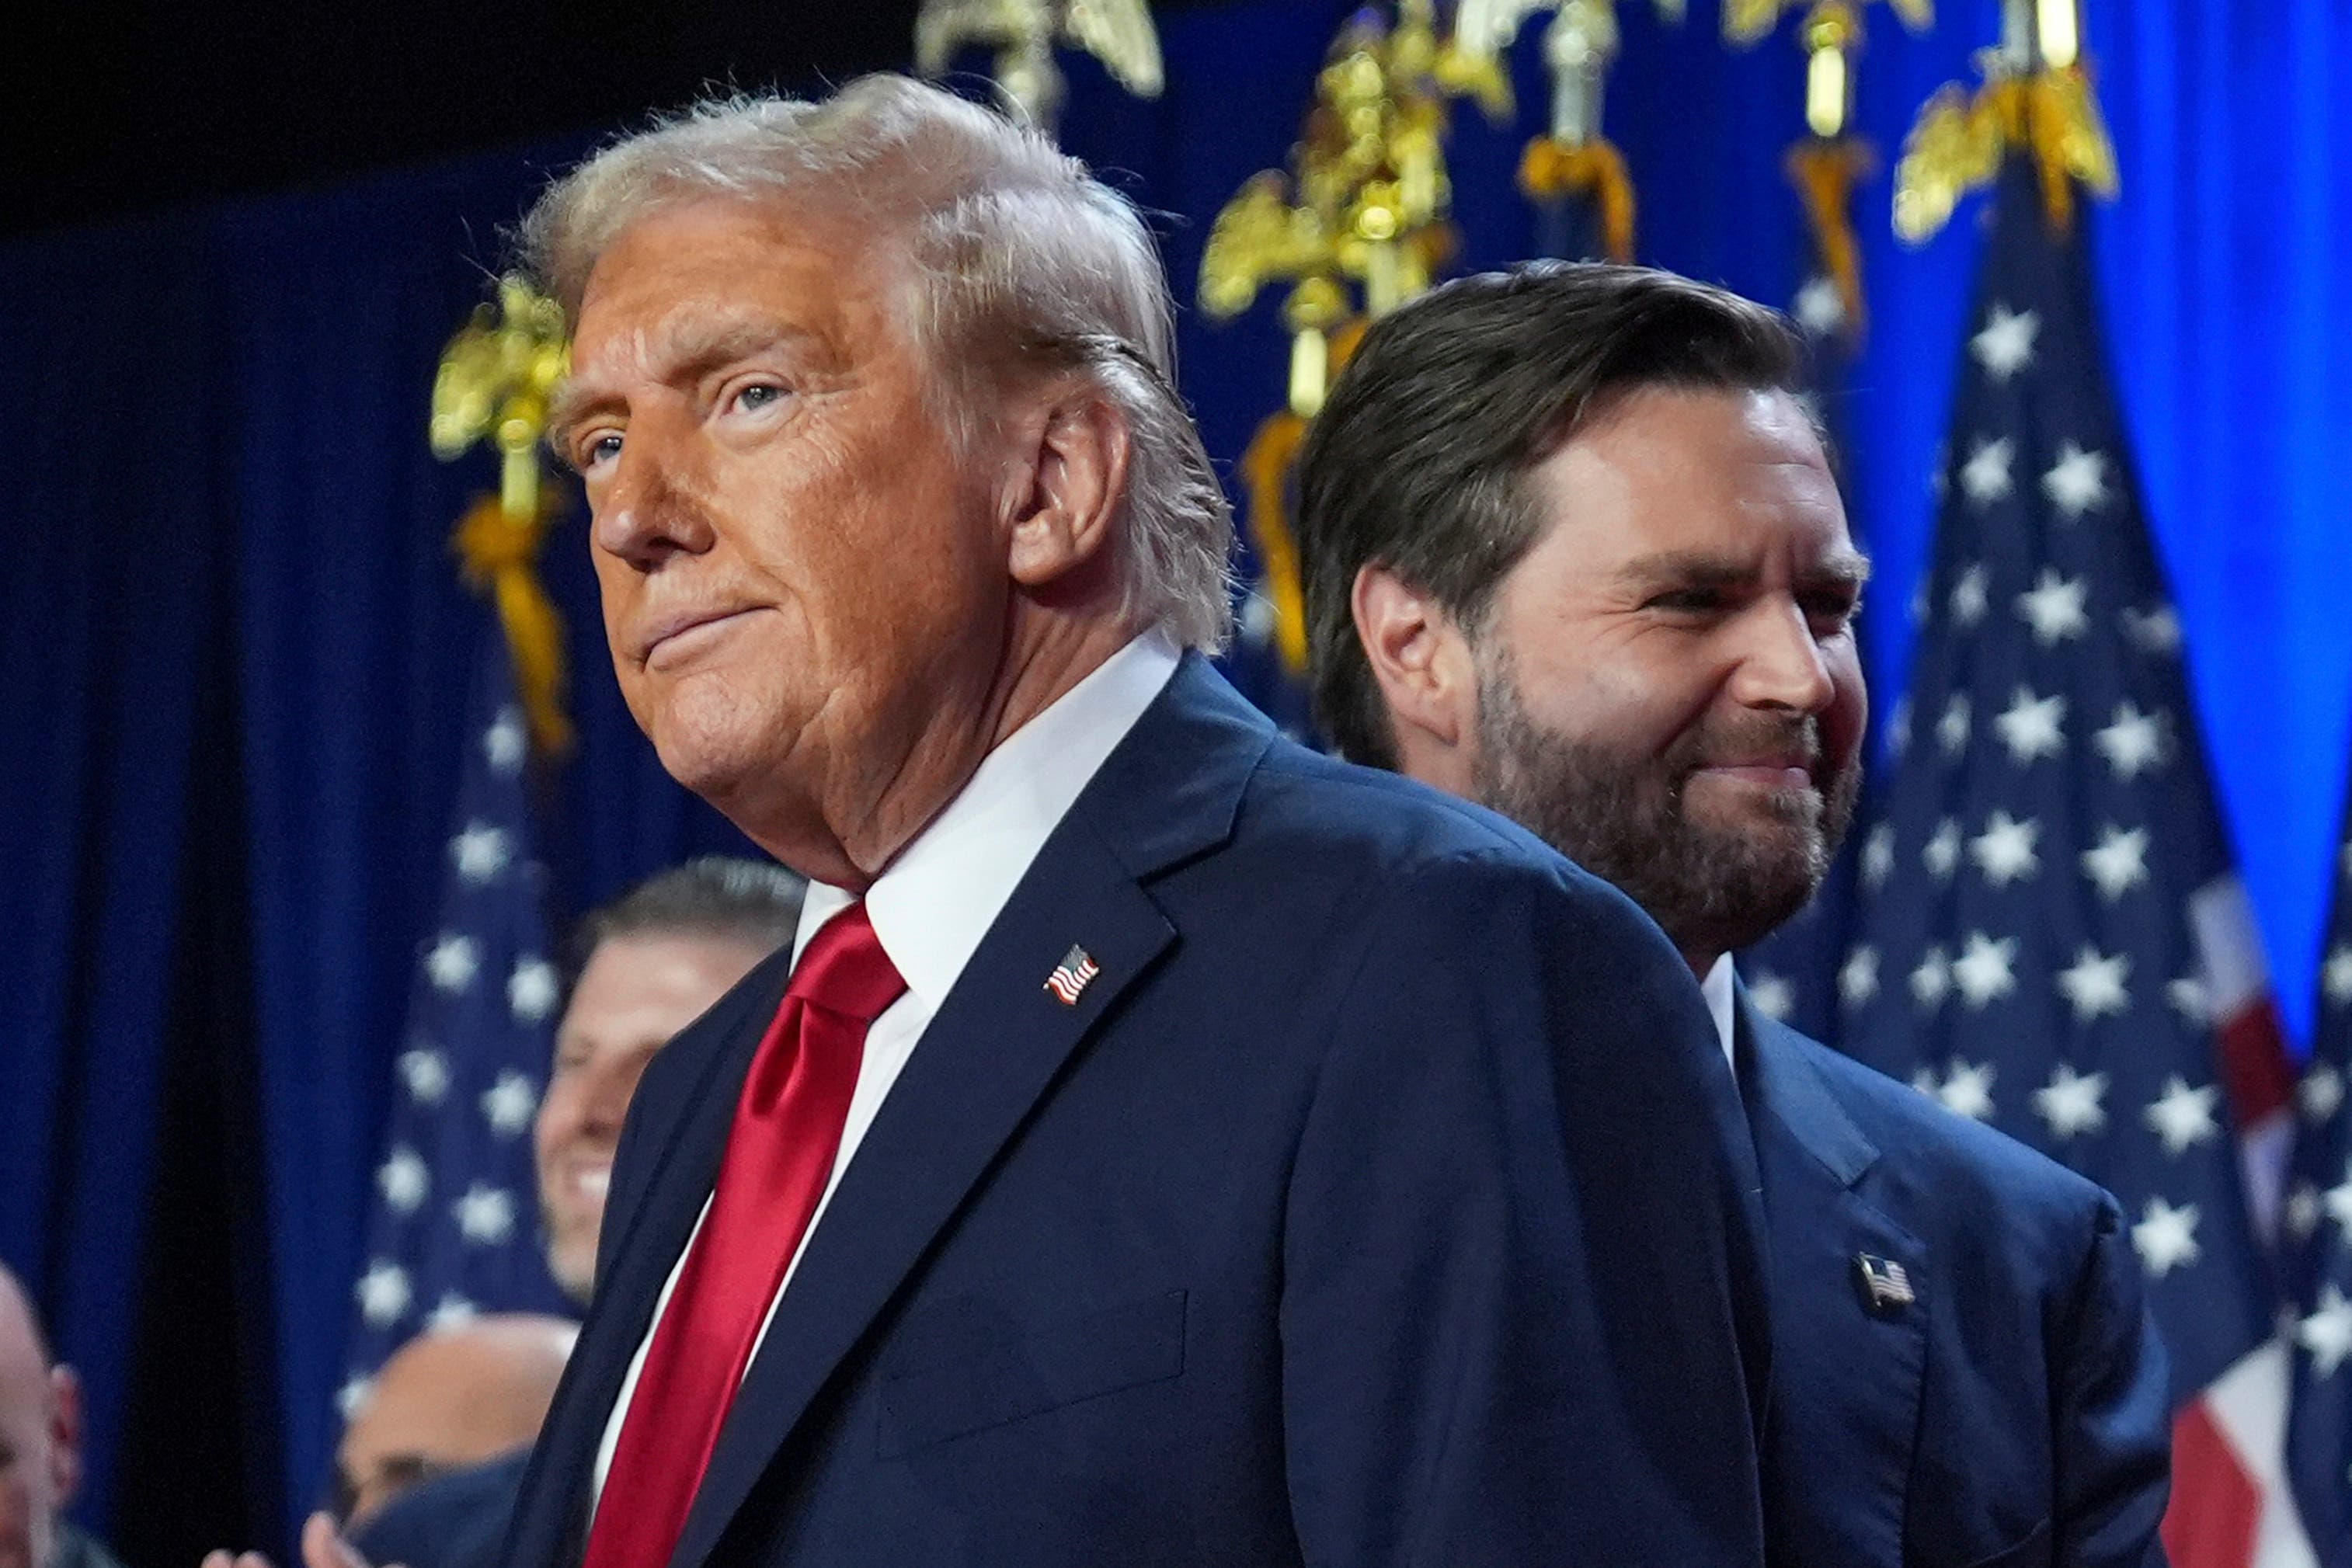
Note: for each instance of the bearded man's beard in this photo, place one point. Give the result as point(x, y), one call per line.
point(1711, 888)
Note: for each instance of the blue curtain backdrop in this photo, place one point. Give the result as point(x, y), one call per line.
point(234, 649)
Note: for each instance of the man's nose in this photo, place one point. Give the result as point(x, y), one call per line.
point(606, 1103)
point(1780, 660)
point(646, 512)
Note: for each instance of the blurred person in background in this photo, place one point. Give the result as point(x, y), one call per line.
point(40, 1446)
point(644, 967)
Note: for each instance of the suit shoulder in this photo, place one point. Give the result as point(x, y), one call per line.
point(1301, 802)
point(1971, 1173)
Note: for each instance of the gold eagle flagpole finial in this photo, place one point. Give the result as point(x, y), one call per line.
point(1355, 226)
point(1022, 33)
point(1830, 162)
point(1572, 158)
point(494, 383)
point(2036, 99)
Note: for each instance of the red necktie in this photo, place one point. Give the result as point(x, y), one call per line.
point(779, 1152)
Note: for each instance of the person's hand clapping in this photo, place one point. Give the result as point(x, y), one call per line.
point(323, 1547)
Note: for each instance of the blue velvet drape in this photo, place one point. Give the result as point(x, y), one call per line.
point(228, 581)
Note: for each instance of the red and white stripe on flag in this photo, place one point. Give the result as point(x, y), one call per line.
point(2231, 1505)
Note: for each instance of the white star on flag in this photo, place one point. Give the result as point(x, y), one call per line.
point(2187, 995)
point(2302, 1209)
point(2119, 861)
point(509, 1103)
point(531, 989)
point(1878, 855)
point(452, 963)
point(353, 1394)
point(2326, 1334)
point(404, 1179)
point(2070, 1101)
point(2054, 608)
point(2133, 742)
point(2157, 631)
point(1941, 852)
point(1985, 479)
point(2005, 346)
point(1973, 593)
point(1932, 980)
point(2166, 1237)
point(1771, 994)
point(2004, 851)
point(450, 1311)
point(2335, 979)
point(480, 852)
point(504, 742)
point(1258, 619)
point(1819, 308)
point(2030, 727)
point(2094, 985)
point(1982, 972)
point(485, 1214)
point(1858, 977)
point(1922, 1081)
point(1898, 728)
point(383, 1292)
point(2337, 1201)
point(2077, 482)
point(1967, 1089)
point(1952, 729)
point(2321, 1094)
point(425, 1071)
point(2182, 1116)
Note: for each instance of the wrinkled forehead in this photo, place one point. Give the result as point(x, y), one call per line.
point(815, 256)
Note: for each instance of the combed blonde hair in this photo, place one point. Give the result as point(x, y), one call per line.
point(1021, 259)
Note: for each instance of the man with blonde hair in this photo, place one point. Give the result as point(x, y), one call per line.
point(1159, 1144)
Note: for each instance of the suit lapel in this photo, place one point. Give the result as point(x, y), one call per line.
point(1844, 1418)
point(1169, 791)
point(648, 1222)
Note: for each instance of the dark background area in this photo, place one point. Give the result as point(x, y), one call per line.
point(125, 110)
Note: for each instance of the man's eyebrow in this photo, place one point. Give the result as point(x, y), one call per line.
point(1693, 566)
point(1705, 569)
point(678, 356)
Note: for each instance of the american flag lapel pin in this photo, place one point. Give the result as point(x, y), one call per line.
point(1885, 1284)
point(1072, 976)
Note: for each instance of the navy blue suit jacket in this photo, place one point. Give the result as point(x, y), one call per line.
point(2015, 1412)
point(1386, 1200)
point(454, 1520)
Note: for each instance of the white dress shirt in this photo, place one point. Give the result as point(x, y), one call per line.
point(1717, 990)
point(933, 904)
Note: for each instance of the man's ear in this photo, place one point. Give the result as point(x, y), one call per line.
point(1069, 483)
point(64, 1433)
point(1422, 665)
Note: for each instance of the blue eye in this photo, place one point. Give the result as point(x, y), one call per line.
point(759, 395)
point(597, 449)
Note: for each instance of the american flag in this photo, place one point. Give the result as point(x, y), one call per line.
point(2050, 937)
point(454, 1224)
point(2318, 1246)
point(1072, 976)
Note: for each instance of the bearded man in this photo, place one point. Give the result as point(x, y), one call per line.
point(1161, 1145)
point(1573, 549)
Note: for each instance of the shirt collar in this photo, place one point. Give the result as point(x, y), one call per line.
point(1716, 989)
point(932, 904)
